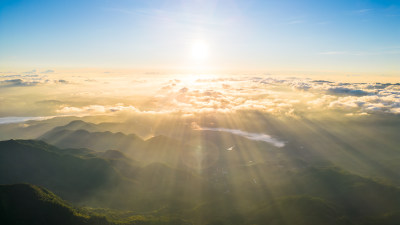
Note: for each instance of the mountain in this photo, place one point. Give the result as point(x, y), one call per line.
point(26, 204)
point(358, 196)
point(77, 125)
point(212, 145)
point(31, 129)
point(373, 152)
point(156, 149)
point(299, 210)
point(71, 176)
point(100, 141)
point(84, 176)
point(30, 204)
point(308, 196)
point(204, 187)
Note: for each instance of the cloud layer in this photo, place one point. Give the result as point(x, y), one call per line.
point(109, 94)
point(283, 97)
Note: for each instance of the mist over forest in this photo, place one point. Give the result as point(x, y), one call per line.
point(216, 150)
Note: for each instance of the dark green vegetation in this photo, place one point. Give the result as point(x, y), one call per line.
point(30, 204)
point(186, 176)
point(85, 176)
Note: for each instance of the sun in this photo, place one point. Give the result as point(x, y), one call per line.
point(199, 51)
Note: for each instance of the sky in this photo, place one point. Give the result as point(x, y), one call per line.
point(349, 37)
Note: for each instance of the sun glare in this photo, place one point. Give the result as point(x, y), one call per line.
point(199, 51)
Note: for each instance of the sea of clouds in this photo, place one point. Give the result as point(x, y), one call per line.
point(266, 94)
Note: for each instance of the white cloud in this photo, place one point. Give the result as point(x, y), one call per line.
point(280, 97)
point(48, 71)
point(17, 83)
point(248, 135)
point(13, 119)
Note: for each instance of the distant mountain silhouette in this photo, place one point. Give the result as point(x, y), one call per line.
point(113, 154)
point(77, 125)
point(100, 141)
point(32, 129)
point(156, 149)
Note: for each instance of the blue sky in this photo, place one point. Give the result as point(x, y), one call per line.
point(291, 35)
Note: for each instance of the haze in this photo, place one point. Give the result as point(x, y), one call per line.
point(199, 112)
